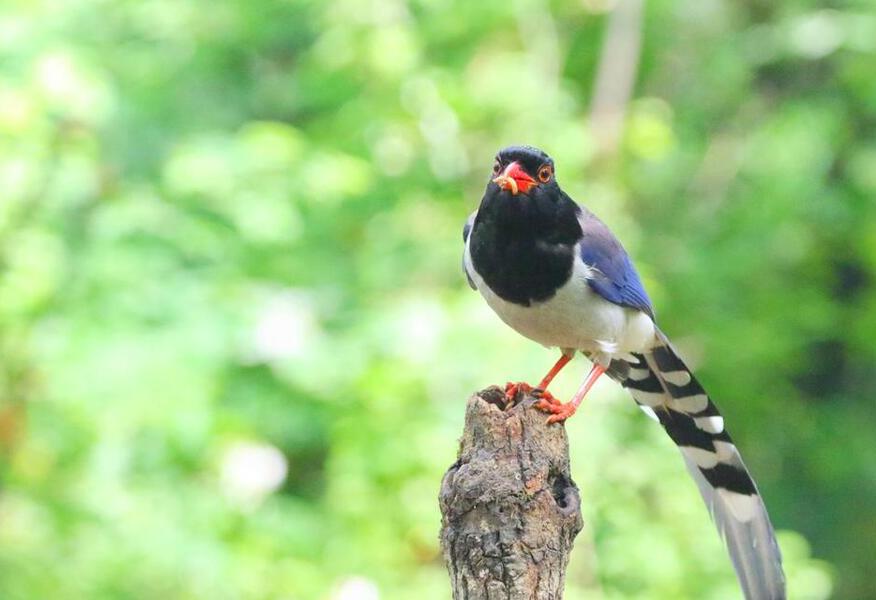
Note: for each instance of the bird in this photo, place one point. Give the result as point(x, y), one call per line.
point(555, 273)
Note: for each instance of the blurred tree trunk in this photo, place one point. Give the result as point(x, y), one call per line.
point(616, 75)
point(510, 510)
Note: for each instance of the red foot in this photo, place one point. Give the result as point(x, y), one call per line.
point(545, 399)
point(512, 389)
point(560, 411)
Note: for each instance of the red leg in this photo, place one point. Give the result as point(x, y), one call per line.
point(546, 380)
point(540, 391)
point(564, 411)
point(511, 389)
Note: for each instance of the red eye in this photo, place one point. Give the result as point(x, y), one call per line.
point(497, 167)
point(545, 173)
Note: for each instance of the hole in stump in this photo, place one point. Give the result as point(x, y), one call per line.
point(564, 492)
point(495, 396)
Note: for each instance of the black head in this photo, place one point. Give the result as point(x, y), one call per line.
point(523, 238)
point(524, 170)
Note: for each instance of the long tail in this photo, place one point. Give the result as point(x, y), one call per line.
point(665, 388)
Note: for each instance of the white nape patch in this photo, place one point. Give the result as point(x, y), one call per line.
point(703, 458)
point(649, 411)
point(743, 507)
point(711, 424)
point(690, 404)
point(651, 399)
point(638, 374)
point(678, 378)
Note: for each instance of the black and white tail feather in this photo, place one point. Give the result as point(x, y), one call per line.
point(665, 388)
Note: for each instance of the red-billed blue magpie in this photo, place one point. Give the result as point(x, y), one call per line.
point(556, 274)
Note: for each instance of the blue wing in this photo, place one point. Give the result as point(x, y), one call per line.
point(614, 277)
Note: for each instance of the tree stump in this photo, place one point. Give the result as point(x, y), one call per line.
point(510, 510)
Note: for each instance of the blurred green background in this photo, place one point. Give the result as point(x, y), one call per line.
point(236, 342)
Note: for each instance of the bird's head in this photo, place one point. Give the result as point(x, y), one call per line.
point(523, 170)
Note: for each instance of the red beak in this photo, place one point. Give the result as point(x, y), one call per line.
point(514, 178)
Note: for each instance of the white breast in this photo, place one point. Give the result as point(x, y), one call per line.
point(575, 317)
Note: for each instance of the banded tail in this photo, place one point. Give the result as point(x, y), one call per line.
point(665, 388)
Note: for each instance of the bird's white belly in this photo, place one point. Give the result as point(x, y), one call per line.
point(575, 317)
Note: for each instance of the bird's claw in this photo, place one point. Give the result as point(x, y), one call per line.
point(545, 398)
point(512, 389)
point(561, 411)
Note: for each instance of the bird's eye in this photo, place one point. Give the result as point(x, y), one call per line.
point(497, 167)
point(545, 173)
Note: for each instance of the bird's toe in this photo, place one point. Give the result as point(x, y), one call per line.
point(545, 399)
point(512, 389)
point(560, 411)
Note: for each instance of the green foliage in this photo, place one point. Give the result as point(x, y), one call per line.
point(235, 341)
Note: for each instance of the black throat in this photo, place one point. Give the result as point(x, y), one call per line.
point(522, 245)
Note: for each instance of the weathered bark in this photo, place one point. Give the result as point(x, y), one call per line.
point(510, 510)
